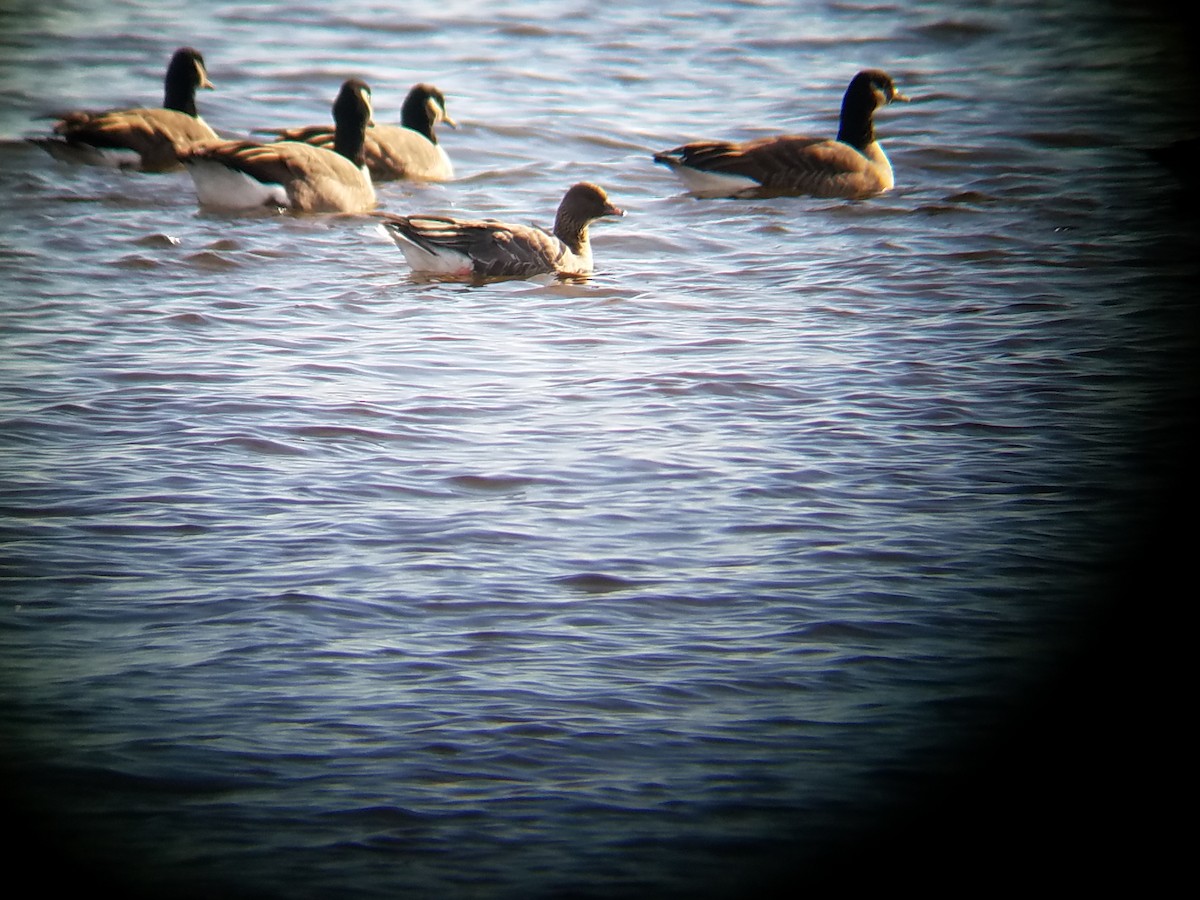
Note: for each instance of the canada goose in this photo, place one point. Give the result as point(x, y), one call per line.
point(852, 166)
point(485, 248)
point(410, 152)
point(243, 175)
point(145, 139)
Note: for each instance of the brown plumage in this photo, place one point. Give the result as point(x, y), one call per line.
point(146, 139)
point(852, 166)
point(485, 248)
point(243, 175)
point(410, 152)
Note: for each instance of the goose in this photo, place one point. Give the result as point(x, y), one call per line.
point(145, 139)
point(245, 175)
point(486, 248)
point(852, 166)
point(410, 152)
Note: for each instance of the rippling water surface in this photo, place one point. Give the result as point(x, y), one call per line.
point(322, 580)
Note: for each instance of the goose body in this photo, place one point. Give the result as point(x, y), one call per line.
point(246, 175)
point(851, 166)
point(410, 152)
point(486, 248)
point(145, 139)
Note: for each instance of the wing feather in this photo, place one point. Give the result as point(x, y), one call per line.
point(788, 164)
point(392, 153)
point(496, 249)
point(158, 136)
point(315, 179)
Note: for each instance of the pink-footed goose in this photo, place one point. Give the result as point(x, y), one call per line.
point(485, 248)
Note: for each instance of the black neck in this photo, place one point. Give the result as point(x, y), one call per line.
point(415, 115)
point(350, 142)
point(179, 90)
point(857, 126)
point(350, 127)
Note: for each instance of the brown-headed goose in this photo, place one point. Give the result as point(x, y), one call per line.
point(485, 248)
point(146, 139)
point(244, 175)
point(852, 166)
point(410, 152)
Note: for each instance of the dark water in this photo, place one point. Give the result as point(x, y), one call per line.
point(713, 571)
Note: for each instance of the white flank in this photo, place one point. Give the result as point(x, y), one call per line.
point(220, 187)
point(118, 158)
point(713, 183)
point(420, 259)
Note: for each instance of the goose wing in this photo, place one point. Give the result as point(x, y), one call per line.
point(157, 135)
point(392, 152)
point(787, 164)
point(317, 135)
point(315, 179)
point(395, 152)
point(495, 249)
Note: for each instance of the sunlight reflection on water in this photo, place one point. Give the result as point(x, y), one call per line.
point(500, 590)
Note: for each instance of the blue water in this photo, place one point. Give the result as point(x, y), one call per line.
point(321, 580)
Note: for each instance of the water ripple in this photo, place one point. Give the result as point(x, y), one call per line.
point(629, 586)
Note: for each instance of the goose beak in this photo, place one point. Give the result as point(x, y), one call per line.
point(610, 210)
point(449, 121)
point(205, 83)
point(898, 97)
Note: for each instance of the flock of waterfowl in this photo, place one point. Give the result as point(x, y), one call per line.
point(332, 169)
